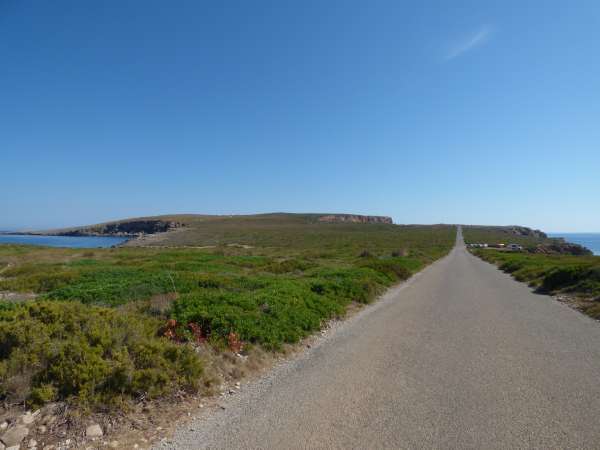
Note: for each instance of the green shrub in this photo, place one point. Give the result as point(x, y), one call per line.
point(211, 281)
point(271, 316)
point(288, 265)
point(511, 266)
point(37, 278)
point(273, 311)
point(113, 286)
point(394, 268)
point(88, 354)
point(562, 277)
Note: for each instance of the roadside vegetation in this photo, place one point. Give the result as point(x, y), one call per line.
point(574, 276)
point(110, 326)
point(550, 266)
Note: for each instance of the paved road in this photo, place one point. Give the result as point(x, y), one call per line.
point(461, 356)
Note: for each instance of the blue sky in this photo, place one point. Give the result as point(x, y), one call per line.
point(457, 112)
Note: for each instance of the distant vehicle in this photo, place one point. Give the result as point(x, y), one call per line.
point(515, 247)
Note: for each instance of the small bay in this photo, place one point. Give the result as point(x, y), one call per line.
point(62, 241)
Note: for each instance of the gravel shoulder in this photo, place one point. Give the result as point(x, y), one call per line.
point(460, 356)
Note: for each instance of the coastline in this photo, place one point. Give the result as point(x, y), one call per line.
point(590, 240)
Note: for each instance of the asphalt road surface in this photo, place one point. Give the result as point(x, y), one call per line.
point(460, 356)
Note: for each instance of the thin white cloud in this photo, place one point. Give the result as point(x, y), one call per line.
point(468, 43)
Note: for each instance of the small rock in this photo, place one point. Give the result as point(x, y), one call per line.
point(14, 436)
point(42, 429)
point(49, 419)
point(32, 443)
point(2, 446)
point(93, 430)
point(3, 426)
point(113, 444)
point(27, 419)
point(51, 409)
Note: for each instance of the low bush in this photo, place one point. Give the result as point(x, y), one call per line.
point(37, 277)
point(283, 310)
point(92, 355)
point(561, 277)
point(288, 265)
point(113, 286)
point(278, 314)
point(511, 266)
point(394, 269)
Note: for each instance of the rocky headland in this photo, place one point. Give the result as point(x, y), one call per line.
point(354, 218)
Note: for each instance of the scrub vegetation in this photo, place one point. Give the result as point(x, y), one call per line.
point(112, 325)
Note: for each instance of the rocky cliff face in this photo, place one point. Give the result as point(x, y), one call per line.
point(354, 218)
point(524, 231)
point(127, 228)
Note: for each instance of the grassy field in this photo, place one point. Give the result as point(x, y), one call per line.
point(111, 325)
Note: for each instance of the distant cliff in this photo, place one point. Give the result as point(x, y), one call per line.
point(354, 218)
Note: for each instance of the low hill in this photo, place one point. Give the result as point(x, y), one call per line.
point(275, 229)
